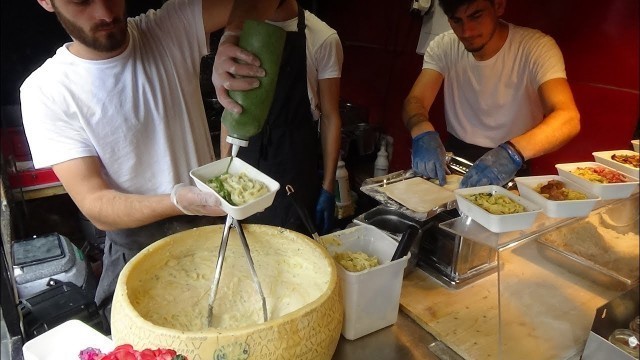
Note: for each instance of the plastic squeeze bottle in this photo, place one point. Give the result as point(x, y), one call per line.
point(266, 41)
point(381, 166)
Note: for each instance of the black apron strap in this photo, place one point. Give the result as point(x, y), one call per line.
point(286, 148)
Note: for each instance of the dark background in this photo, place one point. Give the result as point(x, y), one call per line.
point(599, 40)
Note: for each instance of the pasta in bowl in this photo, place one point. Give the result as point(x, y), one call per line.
point(242, 189)
point(497, 208)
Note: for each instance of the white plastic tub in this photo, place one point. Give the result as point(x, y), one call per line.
point(202, 174)
point(371, 297)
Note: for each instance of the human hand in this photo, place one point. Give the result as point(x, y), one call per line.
point(193, 201)
point(325, 211)
point(428, 156)
point(496, 167)
point(234, 69)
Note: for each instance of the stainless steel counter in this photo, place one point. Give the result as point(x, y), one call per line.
point(405, 340)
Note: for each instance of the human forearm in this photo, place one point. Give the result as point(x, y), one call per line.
point(415, 116)
point(555, 131)
point(330, 138)
point(558, 127)
point(330, 129)
point(111, 210)
point(415, 110)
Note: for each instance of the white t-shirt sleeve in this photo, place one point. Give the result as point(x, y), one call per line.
point(435, 56)
point(53, 137)
point(330, 57)
point(546, 60)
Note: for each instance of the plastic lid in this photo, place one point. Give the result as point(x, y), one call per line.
point(235, 141)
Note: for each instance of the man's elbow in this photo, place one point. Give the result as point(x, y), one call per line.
point(574, 123)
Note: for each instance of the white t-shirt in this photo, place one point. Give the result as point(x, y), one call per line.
point(489, 102)
point(141, 112)
point(324, 54)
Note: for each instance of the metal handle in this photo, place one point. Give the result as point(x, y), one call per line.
point(304, 215)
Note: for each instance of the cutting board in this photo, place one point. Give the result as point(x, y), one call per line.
point(547, 312)
point(421, 195)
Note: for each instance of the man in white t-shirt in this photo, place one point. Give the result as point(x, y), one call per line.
point(306, 100)
point(506, 96)
point(118, 114)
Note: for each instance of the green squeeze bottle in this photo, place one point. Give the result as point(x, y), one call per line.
point(266, 41)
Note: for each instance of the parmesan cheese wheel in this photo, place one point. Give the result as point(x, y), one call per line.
point(162, 296)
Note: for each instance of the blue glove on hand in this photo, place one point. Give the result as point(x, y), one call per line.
point(496, 167)
point(428, 156)
point(325, 212)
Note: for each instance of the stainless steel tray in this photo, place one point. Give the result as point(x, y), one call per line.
point(585, 268)
point(620, 216)
point(372, 188)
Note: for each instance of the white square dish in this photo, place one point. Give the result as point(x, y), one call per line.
point(203, 173)
point(604, 158)
point(497, 223)
point(605, 191)
point(556, 208)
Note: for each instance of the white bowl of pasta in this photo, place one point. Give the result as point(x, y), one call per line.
point(497, 208)
point(243, 190)
point(599, 179)
point(557, 196)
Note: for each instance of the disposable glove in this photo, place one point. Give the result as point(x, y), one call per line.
point(428, 156)
point(193, 201)
point(325, 211)
point(496, 167)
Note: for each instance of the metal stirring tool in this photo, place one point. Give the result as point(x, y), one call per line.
point(231, 221)
point(221, 253)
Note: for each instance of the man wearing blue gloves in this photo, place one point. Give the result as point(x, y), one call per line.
point(506, 96)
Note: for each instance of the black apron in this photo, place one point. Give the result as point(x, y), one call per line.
point(473, 152)
point(287, 147)
point(121, 245)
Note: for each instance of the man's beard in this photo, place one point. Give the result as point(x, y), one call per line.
point(112, 41)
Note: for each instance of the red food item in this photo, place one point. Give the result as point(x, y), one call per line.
point(127, 352)
point(610, 175)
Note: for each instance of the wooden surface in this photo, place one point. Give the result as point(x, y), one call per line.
point(546, 312)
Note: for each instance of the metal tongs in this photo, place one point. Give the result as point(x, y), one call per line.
point(457, 164)
point(231, 221)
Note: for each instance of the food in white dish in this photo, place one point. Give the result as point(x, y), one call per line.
point(629, 160)
point(495, 203)
point(599, 174)
point(356, 261)
point(237, 189)
point(555, 190)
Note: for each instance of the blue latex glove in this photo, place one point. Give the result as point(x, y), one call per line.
point(428, 156)
point(496, 167)
point(325, 211)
